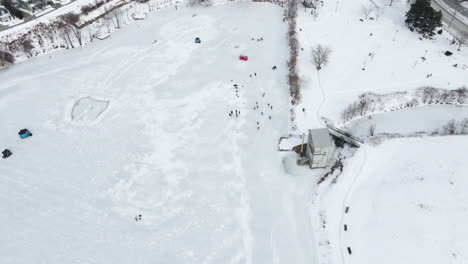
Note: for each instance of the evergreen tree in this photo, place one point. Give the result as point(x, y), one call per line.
point(423, 18)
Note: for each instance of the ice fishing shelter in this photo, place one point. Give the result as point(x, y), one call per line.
point(243, 57)
point(24, 133)
point(6, 153)
point(318, 147)
point(197, 40)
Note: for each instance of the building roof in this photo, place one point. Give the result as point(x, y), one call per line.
point(320, 137)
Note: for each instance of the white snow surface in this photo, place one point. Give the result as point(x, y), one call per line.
point(210, 188)
point(406, 203)
point(409, 203)
point(88, 109)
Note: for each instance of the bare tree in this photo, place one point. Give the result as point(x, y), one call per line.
point(321, 55)
point(429, 93)
point(116, 14)
point(27, 46)
point(372, 130)
point(65, 33)
point(366, 10)
point(391, 2)
point(200, 2)
point(460, 41)
point(462, 93)
point(91, 36)
point(464, 126)
point(6, 58)
point(450, 128)
point(70, 21)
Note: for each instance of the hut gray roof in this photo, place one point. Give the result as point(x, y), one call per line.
point(320, 137)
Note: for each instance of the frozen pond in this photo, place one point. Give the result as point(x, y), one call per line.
point(408, 121)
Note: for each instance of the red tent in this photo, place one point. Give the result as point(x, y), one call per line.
point(243, 57)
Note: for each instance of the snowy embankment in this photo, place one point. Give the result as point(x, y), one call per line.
point(210, 188)
point(45, 34)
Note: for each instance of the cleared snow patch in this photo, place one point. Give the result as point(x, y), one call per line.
point(88, 109)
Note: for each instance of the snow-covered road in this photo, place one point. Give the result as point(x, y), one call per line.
point(154, 138)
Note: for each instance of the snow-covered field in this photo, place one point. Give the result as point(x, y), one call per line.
point(156, 140)
point(403, 201)
point(409, 203)
point(390, 54)
point(150, 148)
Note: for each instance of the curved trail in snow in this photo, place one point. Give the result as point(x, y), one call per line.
point(346, 200)
point(324, 98)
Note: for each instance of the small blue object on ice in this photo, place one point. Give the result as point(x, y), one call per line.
point(24, 133)
point(197, 40)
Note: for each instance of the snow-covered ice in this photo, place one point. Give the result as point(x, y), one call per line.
point(210, 188)
point(408, 121)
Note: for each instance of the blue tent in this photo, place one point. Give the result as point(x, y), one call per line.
point(24, 133)
point(197, 40)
